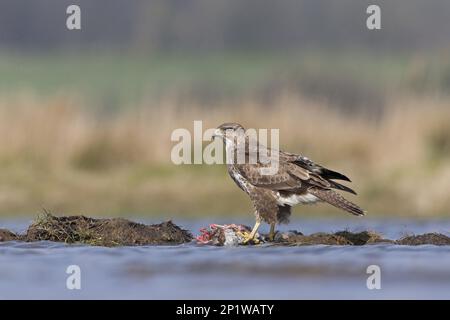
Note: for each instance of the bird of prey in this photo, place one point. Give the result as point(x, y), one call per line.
point(298, 180)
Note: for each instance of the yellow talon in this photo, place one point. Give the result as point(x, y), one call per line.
point(272, 232)
point(251, 236)
point(248, 238)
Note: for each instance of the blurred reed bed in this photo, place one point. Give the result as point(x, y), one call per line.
point(58, 154)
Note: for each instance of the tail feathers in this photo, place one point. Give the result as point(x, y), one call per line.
point(337, 200)
point(330, 174)
point(339, 186)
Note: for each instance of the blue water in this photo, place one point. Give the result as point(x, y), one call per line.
point(38, 270)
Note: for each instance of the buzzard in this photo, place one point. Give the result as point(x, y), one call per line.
point(298, 180)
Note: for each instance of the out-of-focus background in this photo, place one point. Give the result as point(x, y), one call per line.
point(86, 116)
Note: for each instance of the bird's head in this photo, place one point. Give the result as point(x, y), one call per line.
point(229, 131)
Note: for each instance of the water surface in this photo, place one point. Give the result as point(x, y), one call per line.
point(38, 270)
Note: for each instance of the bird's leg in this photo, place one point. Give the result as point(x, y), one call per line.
point(252, 234)
point(272, 231)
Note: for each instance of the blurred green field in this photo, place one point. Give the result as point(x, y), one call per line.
point(90, 133)
point(113, 79)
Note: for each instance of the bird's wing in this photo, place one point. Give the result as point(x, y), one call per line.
point(294, 172)
point(318, 172)
point(281, 180)
point(311, 166)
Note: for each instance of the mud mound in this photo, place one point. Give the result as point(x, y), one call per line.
point(362, 238)
point(235, 235)
point(427, 238)
point(359, 239)
point(6, 235)
point(104, 232)
point(338, 238)
point(122, 232)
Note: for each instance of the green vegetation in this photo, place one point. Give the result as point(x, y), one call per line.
point(113, 80)
point(356, 113)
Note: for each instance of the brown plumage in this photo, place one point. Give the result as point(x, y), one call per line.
point(337, 200)
point(297, 180)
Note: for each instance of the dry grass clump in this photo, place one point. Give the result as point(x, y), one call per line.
point(103, 232)
point(64, 229)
